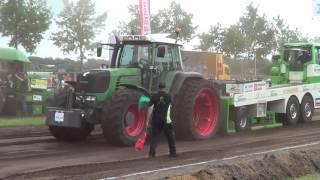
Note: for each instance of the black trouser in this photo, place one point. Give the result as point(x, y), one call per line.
point(156, 129)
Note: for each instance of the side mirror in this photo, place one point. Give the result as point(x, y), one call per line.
point(275, 57)
point(99, 51)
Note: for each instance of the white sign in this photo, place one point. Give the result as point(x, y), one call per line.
point(145, 20)
point(37, 98)
point(313, 70)
point(59, 116)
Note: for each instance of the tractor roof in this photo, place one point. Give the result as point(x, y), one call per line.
point(152, 38)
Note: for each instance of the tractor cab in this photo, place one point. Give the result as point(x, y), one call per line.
point(153, 56)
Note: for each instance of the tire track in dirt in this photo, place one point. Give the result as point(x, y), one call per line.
point(92, 159)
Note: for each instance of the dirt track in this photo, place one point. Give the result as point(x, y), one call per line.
point(41, 157)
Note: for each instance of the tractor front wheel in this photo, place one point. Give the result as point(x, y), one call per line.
point(122, 121)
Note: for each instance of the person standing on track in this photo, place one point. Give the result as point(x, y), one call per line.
point(159, 105)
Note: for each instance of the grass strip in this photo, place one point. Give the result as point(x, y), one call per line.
point(21, 121)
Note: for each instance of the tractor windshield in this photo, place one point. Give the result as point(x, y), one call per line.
point(133, 55)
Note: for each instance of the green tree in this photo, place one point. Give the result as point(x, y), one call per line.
point(213, 40)
point(78, 25)
point(133, 25)
point(234, 42)
point(258, 33)
point(25, 22)
point(284, 34)
point(165, 21)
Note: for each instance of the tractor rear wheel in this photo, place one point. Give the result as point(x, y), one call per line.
point(68, 133)
point(196, 110)
point(122, 122)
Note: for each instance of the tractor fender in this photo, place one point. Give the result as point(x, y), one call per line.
point(179, 79)
point(139, 88)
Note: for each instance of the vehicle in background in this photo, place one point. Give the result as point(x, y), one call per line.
point(210, 64)
point(12, 62)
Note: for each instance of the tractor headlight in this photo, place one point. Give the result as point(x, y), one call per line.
point(90, 98)
point(86, 98)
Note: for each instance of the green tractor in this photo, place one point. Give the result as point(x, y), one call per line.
point(110, 96)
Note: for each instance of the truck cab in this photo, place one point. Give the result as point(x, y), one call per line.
point(297, 63)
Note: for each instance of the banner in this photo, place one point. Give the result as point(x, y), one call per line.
point(316, 8)
point(39, 83)
point(145, 19)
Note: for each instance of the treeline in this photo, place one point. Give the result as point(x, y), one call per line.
point(253, 37)
point(65, 64)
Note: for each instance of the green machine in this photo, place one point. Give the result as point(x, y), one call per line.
point(12, 62)
point(290, 99)
point(297, 63)
point(110, 97)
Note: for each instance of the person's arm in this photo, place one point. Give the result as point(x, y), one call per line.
point(18, 77)
point(149, 115)
point(150, 110)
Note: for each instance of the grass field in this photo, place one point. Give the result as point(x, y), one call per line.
point(314, 176)
point(21, 121)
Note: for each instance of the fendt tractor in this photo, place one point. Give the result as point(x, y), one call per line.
point(110, 96)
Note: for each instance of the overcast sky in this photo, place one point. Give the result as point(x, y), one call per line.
point(297, 13)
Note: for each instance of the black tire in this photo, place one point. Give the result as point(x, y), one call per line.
point(242, 121)
point(292, 111)
point(306, 109)
point(68, 133)
point(116, 114)
point(184, 105)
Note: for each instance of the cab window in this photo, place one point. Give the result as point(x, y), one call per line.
point(164, 59)
point(134, 54)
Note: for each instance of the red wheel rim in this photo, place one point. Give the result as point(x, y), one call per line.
point(205, 113)
point(133, 121)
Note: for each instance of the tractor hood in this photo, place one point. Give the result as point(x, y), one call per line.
point(105, 81)
point(125, 76)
